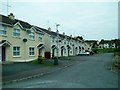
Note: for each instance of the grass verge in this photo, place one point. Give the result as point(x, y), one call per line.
point(44, 62)
point(116, 63)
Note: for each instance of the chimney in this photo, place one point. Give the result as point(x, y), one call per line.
point(11, 16)
point(71, 36)
point(63, 33)
point(49, 29)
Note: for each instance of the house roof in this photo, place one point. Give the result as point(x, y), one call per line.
point(46, 31)
point(7, 20)
point(105, 41)
point(24, 24)
point(109, 41)
point(49, 32)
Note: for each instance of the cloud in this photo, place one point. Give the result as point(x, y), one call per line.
point(63, 0)
point(91, 19)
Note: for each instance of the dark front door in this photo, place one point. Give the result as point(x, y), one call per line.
point(68, 52)
point(53, 51)
point(61, 52)
point(3, 53)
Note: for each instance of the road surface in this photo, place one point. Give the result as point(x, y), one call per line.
point(88, 72)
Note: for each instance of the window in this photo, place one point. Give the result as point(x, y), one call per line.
point(40, 37)
point(16, 51)
point(31, 35)
point(3, 30)
point(53, 39)
point(31, 51)
point(16, 32)
point(67, 42)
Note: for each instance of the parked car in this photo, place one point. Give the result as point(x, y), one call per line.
point(84, 54)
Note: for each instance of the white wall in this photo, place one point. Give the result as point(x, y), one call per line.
point(0, 53)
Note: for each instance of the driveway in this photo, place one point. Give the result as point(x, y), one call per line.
point(88, 72)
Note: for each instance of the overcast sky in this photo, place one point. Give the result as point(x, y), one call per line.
point(92, 20)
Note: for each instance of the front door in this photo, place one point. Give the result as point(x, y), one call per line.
point(53, 51)
point(61, 52)
point(68, 52)
point(3, 53)
point(40, 52)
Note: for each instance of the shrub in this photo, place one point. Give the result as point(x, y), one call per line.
point(117, 50)
point(40, 59)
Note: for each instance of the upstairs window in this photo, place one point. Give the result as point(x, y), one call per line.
point(16, 32)
point(32, 36)
point(64, 42)
point(40, 37)
point(53, 39)
point(3, 30)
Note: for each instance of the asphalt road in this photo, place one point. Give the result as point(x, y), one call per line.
point(88, 72)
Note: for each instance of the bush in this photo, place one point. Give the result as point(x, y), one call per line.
point(116, 63)
point(95, 50)
point(40, 59)
point(117, 50)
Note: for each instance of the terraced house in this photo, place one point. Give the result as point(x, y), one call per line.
point(19, 41)
point(61, 44)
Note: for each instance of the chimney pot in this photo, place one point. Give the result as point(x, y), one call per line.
point(11, 16)
point(63, 33)
point(49, 29)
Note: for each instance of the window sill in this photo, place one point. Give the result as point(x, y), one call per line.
point(32, 39)
point(3, 35)
point(17, 37)
point(32, 55)
point(16, 56)
point(40, 40)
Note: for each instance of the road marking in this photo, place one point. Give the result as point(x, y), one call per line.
point(38, 83)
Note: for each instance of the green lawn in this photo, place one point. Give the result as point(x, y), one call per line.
point(107, 50)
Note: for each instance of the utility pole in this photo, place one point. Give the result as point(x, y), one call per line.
point(57, 32)
point(8, 7)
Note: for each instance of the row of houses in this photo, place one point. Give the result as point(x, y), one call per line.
point(115, 43)
point(21, 41)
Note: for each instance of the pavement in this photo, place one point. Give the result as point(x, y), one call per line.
point(15, 72)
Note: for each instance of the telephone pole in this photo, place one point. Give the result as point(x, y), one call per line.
point(8, 7)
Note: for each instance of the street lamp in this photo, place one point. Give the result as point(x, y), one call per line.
point(57, 32)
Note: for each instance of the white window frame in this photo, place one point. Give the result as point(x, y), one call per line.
point(3, 30)
point(16, 51)
point(53, 39)
point(31, 35)
point(31, 51)
point(40, 37)
point(65, 42)
point(16, 32)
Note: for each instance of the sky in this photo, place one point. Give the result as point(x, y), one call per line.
point(94, 20)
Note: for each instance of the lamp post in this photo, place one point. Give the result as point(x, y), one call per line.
point(57, 32)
